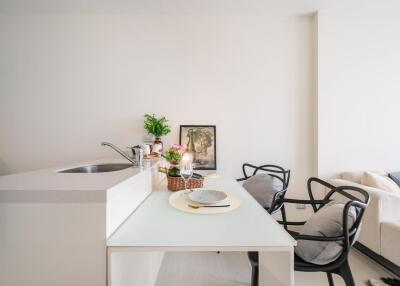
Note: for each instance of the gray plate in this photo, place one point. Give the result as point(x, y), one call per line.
point(204, 196)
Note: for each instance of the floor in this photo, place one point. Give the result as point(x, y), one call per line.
point(233, 269)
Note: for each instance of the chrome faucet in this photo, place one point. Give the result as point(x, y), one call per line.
point(139, 154)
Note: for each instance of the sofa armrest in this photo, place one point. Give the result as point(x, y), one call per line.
point(388, 204)
point(383, 206)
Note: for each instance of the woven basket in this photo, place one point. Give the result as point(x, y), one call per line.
point(178, 183)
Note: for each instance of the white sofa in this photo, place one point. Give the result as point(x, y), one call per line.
point(381, 223)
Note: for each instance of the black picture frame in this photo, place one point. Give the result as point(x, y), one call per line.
point(201, 160)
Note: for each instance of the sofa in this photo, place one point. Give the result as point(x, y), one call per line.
point(380, 233)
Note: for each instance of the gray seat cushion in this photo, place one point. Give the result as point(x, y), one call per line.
point(395, 176)
point(328, 221)
point(263, 188)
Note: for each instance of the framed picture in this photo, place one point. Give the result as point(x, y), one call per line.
point(200, 140)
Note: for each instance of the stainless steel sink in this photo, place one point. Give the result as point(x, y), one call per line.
point(101, 168)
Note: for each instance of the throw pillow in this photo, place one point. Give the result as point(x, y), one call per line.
point(380, 182)
point(395, 176)
point(263, 188)
point(328, 221)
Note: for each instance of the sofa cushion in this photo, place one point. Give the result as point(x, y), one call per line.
point(263, 188)
point(352, 176)
point(395, 176)
point(380, 182)
point(328, 221)
point(356, 176)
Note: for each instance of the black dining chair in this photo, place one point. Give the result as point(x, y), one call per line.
point(354, 197)
point(274, 171)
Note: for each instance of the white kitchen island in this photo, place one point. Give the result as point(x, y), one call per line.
point(54, 226)
point(136, 248)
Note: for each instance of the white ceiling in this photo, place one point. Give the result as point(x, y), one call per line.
point(196, 6)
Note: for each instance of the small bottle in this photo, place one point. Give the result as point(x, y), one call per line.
point(157, 148)
point(146, 149)
point(139, 156)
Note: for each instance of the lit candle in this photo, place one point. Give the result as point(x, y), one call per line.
point(187, 157)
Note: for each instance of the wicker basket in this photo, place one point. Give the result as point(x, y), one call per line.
point(178, 183)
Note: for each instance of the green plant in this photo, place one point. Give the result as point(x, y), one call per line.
point(174, 154)
point(156, 126)
point(172, 157)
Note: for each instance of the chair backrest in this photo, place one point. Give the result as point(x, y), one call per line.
point(351, 197)
point(274, 171)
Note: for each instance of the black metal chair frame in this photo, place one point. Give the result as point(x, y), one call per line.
point(276, 172)
point(341, 265)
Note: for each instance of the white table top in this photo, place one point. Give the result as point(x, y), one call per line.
point(157, 224)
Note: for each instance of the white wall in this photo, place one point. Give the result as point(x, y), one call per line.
point(358, 92)
point(69, 81)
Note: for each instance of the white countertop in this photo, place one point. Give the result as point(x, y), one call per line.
point(157, 224)
point(49, 182)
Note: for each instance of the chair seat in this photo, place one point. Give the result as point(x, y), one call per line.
point(299, 264)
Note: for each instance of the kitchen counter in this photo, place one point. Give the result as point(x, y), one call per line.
point(48, 184)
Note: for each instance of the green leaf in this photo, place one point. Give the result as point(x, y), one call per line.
point(156, 126)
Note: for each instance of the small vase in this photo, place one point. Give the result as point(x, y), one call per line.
point(174, 170)
point(157, 146)
point(158, 141)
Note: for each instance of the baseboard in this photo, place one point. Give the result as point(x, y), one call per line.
point(393, 268)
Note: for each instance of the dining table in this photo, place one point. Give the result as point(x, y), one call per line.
point(136, 249)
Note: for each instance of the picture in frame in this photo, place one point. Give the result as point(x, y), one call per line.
point(200, 141)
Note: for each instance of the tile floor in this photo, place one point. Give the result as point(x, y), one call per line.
point(233, 269)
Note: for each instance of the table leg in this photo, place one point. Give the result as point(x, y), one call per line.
point(276, 267)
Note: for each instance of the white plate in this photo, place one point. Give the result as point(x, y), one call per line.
point(203, 196)
point(180, 201)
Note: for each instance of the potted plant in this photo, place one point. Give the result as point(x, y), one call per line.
point(157, 127)
point(174, 156)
